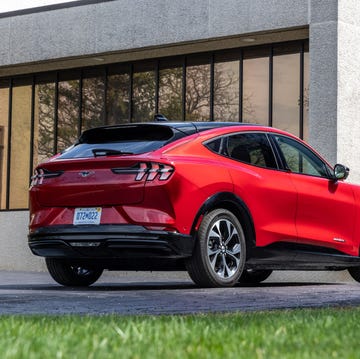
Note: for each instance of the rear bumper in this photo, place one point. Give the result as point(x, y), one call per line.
point(108, 242)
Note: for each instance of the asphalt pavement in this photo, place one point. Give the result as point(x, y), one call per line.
point(143, 293)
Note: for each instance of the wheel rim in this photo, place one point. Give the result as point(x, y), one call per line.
point(224, 249)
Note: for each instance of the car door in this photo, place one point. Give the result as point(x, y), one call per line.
point(267, 191)
point(325, 214)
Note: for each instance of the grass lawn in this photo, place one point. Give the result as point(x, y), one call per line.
point(310, 333)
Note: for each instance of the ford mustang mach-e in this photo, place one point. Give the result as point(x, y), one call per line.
point(228, 202)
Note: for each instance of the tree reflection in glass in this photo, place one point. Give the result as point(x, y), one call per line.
point(44, 122)
point(226, 91)
point(118, 98)
point(143, 96)
point(170, 93)
point(68, 113)
point(93, 102)
point(198, 93)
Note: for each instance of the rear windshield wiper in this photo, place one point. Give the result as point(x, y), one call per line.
point(106, 152)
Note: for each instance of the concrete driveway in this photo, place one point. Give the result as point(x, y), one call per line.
point(171, 293)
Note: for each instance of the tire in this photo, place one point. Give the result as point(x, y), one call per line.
point(220, 251)
point(254, 276)
point(72, 275)
point(355, 273)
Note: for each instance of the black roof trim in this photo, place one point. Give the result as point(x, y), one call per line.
point(197, 126)
point(179, 129)
point(187, 128)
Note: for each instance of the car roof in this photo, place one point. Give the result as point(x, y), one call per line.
point(186, 128)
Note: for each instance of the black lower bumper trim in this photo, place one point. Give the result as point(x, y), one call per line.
point(108, 241)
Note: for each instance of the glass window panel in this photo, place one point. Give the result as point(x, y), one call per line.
point(44, 122)
point(20, 146)
point(118, 96)
point(93, 102)
point(68, 113)
point(300, 159)
point(226, 91)
point(170, 93)
point(306, 97)
point(4, 109)
point(286, 95)
point(198, 89)
point(143, 96)
point(252, 148)
point(256, 90)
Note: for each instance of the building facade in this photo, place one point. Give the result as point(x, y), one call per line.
point(292, 64)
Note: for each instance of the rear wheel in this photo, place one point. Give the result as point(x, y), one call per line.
point(72, 275)
point(220, 251)
point(355, 273)
point(254, 276)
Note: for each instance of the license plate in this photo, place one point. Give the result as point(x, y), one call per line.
point(87, 216)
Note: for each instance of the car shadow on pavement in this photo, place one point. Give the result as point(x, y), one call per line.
point(288, 284)
point(136, 286)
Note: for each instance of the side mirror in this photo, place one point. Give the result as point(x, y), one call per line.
point(341, 172)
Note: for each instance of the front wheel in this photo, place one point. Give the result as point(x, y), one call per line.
point(220, 251)
point(72, 275)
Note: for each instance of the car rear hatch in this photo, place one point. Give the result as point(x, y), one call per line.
point(87, 183)
point(107, 166)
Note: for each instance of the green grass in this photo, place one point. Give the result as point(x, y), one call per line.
point(325, 333)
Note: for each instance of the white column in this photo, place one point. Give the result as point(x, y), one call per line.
point(348, 87)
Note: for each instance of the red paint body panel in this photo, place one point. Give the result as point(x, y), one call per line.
point(325, 213)
point(272, 196)
point(100, 186)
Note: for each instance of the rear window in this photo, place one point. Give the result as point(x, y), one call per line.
point(121, 140)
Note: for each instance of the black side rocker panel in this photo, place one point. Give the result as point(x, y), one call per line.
point(290, 256)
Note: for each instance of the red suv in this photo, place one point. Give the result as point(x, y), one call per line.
point(229, 202)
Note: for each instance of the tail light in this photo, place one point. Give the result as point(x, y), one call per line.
point(41, 173)
point(148, 171)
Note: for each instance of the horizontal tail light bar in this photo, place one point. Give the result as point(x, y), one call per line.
point(147, 170)
point(41, 173)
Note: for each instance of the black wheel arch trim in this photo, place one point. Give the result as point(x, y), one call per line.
point(236, 205)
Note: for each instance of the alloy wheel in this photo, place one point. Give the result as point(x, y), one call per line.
point(224, 248)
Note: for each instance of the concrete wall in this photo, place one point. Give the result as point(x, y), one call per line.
point(334, 82)
point(131, 24)
point(323, 77)
point(14, 251)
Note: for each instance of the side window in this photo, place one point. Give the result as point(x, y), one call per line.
point(252, 148)
point(214, 145)
point(300, 159)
